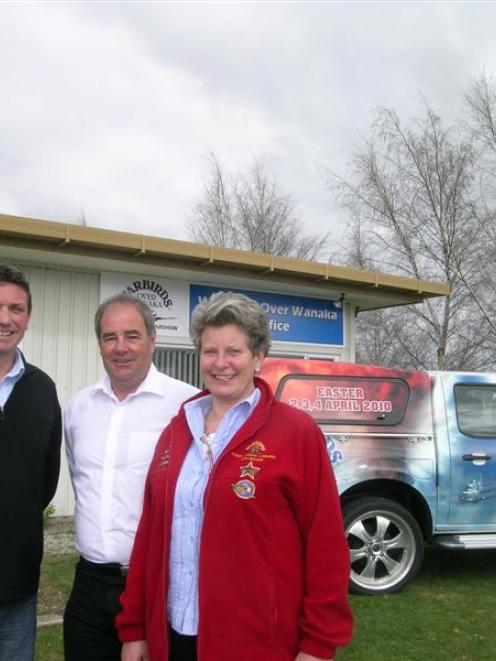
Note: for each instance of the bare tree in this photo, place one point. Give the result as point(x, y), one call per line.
point(213, 219)
point(410, 194)
point(480, 100)
point(251, 213)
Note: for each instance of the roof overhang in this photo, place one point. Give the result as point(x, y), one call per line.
point(90, 248)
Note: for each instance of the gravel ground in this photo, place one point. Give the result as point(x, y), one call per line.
point(59, 535)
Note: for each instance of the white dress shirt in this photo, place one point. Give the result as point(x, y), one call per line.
point(109, 446)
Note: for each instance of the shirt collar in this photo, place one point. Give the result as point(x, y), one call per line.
point(204, 404)
point(152, 383)
point(17, 369)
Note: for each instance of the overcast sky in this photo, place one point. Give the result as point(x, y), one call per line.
point(109, 108)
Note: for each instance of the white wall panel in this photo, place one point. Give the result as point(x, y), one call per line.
point(61, 341)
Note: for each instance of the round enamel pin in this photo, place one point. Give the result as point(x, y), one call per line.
point(244, 489)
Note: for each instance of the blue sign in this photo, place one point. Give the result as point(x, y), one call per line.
point(291, 318)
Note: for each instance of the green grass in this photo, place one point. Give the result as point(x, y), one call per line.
point(49, 646)
point(57, 574)
point(445, 614)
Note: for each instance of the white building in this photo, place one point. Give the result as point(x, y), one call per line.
point(71, 268)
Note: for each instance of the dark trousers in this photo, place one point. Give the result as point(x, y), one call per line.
point(182, 648)
point(89, 631)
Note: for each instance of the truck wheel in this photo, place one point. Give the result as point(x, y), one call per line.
point(386, 545)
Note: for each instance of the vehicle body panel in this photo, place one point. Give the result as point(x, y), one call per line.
point(467, 465)
point(401, 426)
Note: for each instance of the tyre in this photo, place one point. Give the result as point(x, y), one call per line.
point(386, 545)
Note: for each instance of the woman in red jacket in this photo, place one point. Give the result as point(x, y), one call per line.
point(240, 554)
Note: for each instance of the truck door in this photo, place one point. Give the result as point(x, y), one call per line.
point(471, 416)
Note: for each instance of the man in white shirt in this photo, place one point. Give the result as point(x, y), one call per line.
point(111, 429)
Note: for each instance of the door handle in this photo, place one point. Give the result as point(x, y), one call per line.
point(476, 456)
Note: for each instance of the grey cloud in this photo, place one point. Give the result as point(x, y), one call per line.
point(110, 107)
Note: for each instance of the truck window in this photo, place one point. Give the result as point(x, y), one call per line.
point(476, 409)
point(336, 399)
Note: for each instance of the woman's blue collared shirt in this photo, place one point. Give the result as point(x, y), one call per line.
point(182, 601)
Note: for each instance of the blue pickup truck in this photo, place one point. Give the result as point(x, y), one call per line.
point(414, 455)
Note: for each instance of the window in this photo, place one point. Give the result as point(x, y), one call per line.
point(358, 400)
point(476, 410)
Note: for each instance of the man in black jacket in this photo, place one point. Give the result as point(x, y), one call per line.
point(30, 434)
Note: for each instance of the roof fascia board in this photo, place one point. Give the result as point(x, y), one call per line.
point(115, 245)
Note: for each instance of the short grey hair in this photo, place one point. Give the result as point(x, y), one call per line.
point(126, 299)
point(227, 307)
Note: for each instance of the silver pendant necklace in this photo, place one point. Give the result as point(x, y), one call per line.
point(206, 441)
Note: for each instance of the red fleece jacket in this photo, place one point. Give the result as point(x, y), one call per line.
point(273, 562)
